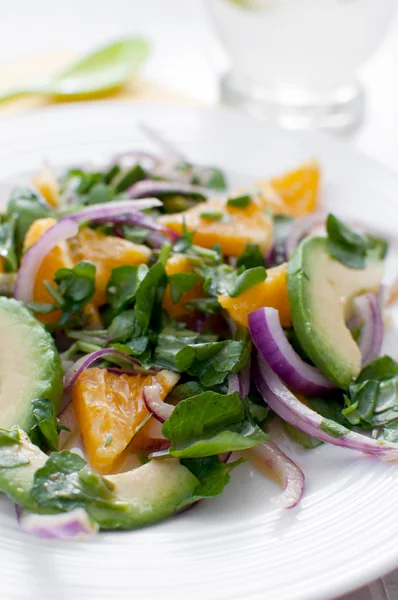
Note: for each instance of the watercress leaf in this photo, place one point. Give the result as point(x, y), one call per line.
point(7, 245)
point(76, 288)
point(181, 283)
point(212, 473)
point(170, 341)
point(251, 257)
point(186, 390)
point(66, 482)
point(124, 326)
point(127, 179)
point(211, 362)
point(390, 432)
point(302, 438)
point(45, 429)
point(282, 227)
point(25, 206)
point(122, 285)
point(239, 201)
point(380, 369)
point(218, 279)
point(374, 403)
point(212, 215)
point(209, 306)
point(246, 280)
point(149, 297)
point(214, 179)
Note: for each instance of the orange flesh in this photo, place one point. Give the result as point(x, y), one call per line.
point(179, 263)
point(110, 410)
point(271, 292)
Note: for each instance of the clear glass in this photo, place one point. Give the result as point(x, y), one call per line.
point(296, 61)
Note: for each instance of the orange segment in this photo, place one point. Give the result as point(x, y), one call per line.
point(110, 410)
point(2, 265)
point(238, 227)
point(58, 258)
point(48, 186)
point(297, 190)
point(271, 292)
point(179, 263)
point(106, 252)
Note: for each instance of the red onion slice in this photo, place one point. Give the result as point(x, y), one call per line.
point(290, 475)
point(155, 405)
point(240, 383)
point(86, 361)
point(137, 218)
point(152, 187)
point(24, 285)
point(110, 210)
point(73, 525)
point(368, 316)
point(291, 410)
point(268, 335)
point(301, 228)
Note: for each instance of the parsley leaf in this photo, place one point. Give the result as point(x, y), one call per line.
point(210, 424)
point(76, 288)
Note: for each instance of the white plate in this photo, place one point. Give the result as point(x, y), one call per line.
point(239, 546)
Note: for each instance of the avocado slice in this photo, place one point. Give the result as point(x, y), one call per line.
point(320, 291)
point(30, 366)
point(139, 497)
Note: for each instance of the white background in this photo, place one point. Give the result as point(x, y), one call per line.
point(185, 58)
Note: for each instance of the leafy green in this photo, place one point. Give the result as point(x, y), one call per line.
point(373, 400)
point(209, 424)
point(349, 247)
point(211, 362)
point(218, 279)
point(99, 194)
point(124, 326)
point(122, 285)
point(210, 306)
point(66, 482)
point(212, 473)
point(149, 296)
point(214, 180)
point(25, 206)
point(76, 288)
point(302, 438)
point(136, 173)
point(332, 428)
point(251, 257)
point(171, 340)
point(181, 283)
point(246, 280)
point(186, 390)
point(282, 227)
point(240, 201)
point(9, 457)
point(390, 432)
point(7, 245)
point(212, 215)
point(45, 430)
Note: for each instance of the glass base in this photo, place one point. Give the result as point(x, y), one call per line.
point(340, 111)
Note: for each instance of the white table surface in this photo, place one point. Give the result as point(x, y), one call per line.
point(187, 59)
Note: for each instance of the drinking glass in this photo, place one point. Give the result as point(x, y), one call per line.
point(296, 61)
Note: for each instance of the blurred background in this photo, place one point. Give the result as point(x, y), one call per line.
point(187, 58)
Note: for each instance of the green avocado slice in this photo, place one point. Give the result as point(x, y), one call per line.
point(320, 291)
point(30, 366)
point(137, 498)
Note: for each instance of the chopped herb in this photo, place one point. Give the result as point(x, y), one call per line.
point(251, 257)
point(212, 215)
point(180, 283)
point(247, 280)
point(240, 201)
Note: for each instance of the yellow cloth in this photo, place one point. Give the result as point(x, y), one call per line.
point(36, 68)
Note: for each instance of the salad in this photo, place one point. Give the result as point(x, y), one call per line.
point(158, 327)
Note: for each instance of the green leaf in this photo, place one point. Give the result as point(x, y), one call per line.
point(380, 369)
point(213, 475)
point(209, 306)
point(390, 432)
point(332, 428)
point(180, 283)
point(170, 341)
point(215, 179)
point(122, 285)
point(247, 280)
point(45, 426)
point(186, 390)
point(352, 248)
point(124, 326)
point(25, 206)
point(218, 279)
point(282, 227)
point(7, 245)
point(9, 457)
point(211, 362)
point(251, 257)
point(76, 288)
point(212, 215)
point(99, 194)
point(136, 173)
point(149, 296)
point(66, 482)
point(210, 424)
point(302, 438)
point(239, 201)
